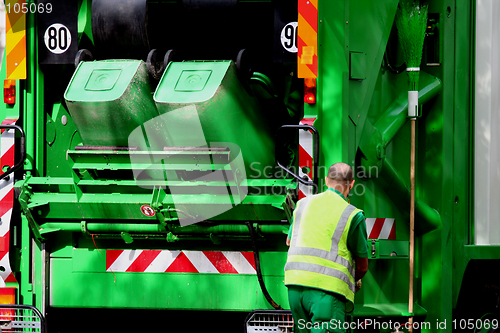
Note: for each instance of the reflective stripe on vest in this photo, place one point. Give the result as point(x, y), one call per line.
point(315, 268)
point(331, 255)
point(311, 259)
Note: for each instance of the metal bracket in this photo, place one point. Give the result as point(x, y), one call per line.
point(83, 226)
point(157, 198)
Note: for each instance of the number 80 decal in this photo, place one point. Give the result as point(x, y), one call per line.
point(57, 38)
point(289, 37)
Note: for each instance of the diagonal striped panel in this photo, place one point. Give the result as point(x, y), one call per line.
point(306, 157)
point(143, 261)
point(7, 149)
point(200, 261)
point(166, 261)
point(162, 261)
point(307, 40)
point(240, 262)
point(15, 39)
point(182, 264)
point(250, 257)
point(220, 262)
point(111, 257)
point(381, 228)
point(123, 260)
point(6, 203)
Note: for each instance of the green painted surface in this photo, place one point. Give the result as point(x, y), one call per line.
point(81, 280)
point(360, 118)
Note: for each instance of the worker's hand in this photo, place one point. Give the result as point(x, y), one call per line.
point(358, 285)
point(287, 241)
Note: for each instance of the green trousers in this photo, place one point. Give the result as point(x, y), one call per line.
point(315, 311)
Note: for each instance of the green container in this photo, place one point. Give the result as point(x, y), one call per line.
point(203, 103)
point(108, 99)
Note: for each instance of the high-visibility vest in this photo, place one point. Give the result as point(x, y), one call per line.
point(318, 256)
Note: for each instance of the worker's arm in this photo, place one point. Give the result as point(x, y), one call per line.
point(358, 245)
point(289, 234)
point(361, 267)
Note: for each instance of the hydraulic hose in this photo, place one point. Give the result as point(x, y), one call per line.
point(257, 268)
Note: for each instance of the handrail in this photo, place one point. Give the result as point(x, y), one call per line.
point(23, 150)
point(303, 181)
point(23, 318)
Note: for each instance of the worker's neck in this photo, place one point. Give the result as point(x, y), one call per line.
point(340, 188)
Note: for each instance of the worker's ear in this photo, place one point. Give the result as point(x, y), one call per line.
point(352, 184)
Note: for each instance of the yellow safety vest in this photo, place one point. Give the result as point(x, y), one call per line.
point(318, 256)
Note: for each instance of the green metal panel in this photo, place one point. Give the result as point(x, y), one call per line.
point(357, 65)
point(79, 279)
point(108, 100)
point(29, 97)
point(69, 195)
point(388, 249)
point(443, 152)
point(333, 67)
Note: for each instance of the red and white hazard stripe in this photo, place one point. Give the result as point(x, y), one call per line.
point(306, 156)
point(166, 261)
point(7, 149)
point(380, 228)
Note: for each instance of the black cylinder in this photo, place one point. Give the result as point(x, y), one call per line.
point(120, 28)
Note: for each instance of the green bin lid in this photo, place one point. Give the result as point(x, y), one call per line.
point(101, 80)
point(190, 82)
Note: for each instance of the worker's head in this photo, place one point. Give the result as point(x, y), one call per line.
point(340, 177)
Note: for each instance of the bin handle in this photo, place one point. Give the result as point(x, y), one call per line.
point(23, 150)
point(303, 181)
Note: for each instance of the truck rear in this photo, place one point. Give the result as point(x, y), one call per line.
point(153, 153)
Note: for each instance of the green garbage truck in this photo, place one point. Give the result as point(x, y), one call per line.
point(153, 151)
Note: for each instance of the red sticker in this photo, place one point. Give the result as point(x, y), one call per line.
point(148, 210)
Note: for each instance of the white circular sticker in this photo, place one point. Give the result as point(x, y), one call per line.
point(289, 37)
point(57, 38)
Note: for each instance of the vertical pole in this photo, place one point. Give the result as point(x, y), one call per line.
point(29, 95)
point(412, 221)
point(26, 287)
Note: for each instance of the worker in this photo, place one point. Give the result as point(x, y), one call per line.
point(328, 255)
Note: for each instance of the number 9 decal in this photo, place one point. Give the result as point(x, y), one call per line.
point(57, 38)
point(289, 37)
